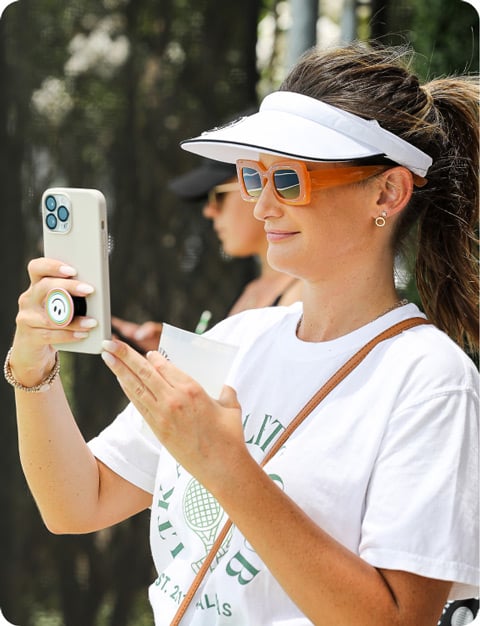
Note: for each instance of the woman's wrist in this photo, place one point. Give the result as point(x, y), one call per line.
point(33, 382)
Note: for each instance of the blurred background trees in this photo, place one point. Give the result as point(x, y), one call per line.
point(99, 94)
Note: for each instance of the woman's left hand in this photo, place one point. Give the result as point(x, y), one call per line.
point(204, 435)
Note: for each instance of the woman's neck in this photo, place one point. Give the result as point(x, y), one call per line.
point(331, 311)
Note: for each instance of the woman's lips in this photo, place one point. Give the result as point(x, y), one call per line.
point(274, 236)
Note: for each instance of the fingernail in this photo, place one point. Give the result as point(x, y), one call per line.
point(79, 335)
point(84, 288)
point(108, 358)
point(89, 322)
point(109, 346)
point(67, 270)
point(140, 334)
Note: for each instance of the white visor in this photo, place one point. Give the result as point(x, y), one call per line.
point(303, 128)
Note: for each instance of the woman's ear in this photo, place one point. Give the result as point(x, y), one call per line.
point(396, 187)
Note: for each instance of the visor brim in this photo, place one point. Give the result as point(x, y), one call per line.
point(259, 133)
point(300, 127)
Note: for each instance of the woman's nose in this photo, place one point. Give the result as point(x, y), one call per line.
point(267, 204)
point(210, 209)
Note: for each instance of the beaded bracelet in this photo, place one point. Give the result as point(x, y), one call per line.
point(43, 386)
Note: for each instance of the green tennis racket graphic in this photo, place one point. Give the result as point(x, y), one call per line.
point(203, 515)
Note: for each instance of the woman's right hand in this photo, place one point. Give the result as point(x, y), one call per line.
point(33, 354)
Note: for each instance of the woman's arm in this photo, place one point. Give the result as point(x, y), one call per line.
point(330, 584)
point(73, 491)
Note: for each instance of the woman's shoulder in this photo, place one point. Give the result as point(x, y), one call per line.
point(430, 357)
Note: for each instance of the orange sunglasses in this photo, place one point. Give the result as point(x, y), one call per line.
point(292, 182)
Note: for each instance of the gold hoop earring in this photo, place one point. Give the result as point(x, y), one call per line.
point(380, 220)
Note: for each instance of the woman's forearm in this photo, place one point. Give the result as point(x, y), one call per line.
point(74, 492)
point(58, 465)
point(329, 583)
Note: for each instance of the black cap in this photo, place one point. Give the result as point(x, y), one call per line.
point(196, 184)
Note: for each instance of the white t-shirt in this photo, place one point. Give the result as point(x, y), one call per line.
point(387, 464)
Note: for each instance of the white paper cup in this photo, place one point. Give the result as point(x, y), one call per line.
point(206, 360)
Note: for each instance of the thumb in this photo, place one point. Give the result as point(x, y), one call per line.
point(228, 398)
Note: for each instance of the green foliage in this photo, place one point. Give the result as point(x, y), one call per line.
point(445, 32)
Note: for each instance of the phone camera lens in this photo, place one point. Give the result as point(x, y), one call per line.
point(63, 213)
point(51, 221)
point(50, 203)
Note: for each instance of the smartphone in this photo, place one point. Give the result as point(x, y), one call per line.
point(75, 232)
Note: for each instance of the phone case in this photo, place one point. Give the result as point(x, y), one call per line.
point(75, 232)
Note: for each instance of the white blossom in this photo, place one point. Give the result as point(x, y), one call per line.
point(175, 53)
point(52, 100)
point(100, 51)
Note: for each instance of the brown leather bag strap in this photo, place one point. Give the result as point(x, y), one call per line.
point(331, 383)
point(339, 375)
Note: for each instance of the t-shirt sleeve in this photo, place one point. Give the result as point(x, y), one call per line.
point(129, 448)
point(428, 524)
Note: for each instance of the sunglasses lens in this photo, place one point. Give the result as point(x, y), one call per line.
point(252, 181)
point(287, 184)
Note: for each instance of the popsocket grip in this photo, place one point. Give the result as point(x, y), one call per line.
point(62, 307)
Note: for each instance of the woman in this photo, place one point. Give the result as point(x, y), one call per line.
point(368, 514)
point(215, 184)
point(241, 235)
